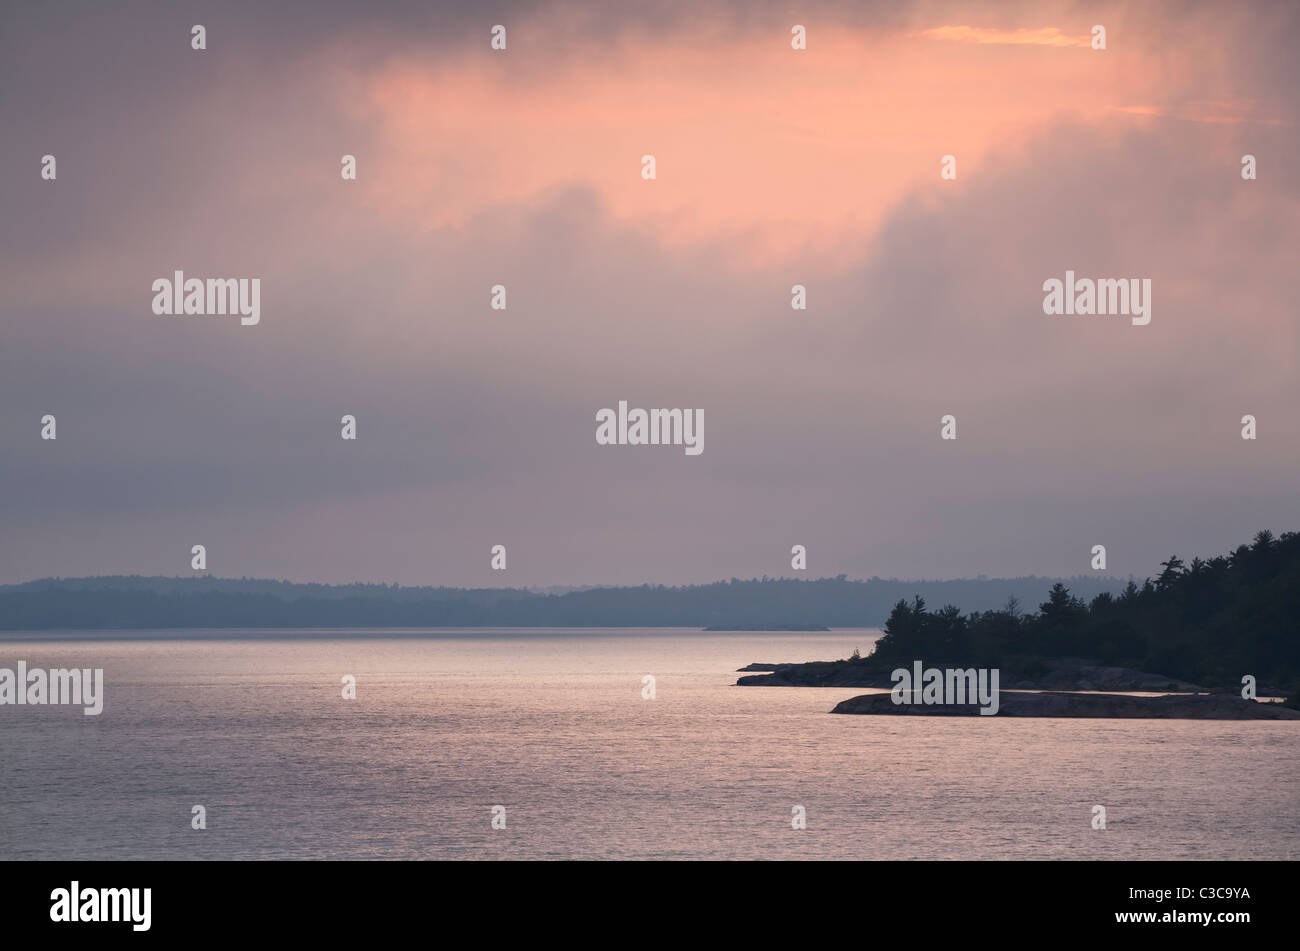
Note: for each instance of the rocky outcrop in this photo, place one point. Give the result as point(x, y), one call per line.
point(815, 674)
point(1200, 706)
point(1060, 674)
point(1073, 674)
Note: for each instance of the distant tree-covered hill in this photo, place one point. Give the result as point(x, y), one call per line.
point(124, 602)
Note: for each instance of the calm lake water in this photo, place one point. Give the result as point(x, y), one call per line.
point(552, 725)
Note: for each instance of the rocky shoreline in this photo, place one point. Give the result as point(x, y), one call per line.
point(1200, 706)
point(1060, 675)
point(1067, 687)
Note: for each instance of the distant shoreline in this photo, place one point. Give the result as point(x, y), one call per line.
point(722, 629)
point(354, 633)
point(203, 601)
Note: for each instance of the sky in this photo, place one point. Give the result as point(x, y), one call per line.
point(523, 167)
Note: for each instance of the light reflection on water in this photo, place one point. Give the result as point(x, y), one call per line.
point(552, 725)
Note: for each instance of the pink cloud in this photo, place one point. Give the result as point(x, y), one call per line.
point(1044, 36)
point(772, 151)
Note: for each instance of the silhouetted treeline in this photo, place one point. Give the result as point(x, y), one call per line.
point(140, 602)
point(1208, 622)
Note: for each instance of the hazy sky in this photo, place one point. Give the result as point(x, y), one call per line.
point(775, 167)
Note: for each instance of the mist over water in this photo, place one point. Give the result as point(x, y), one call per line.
point(551, 724)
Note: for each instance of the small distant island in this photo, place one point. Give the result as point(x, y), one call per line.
point(769, 627)
point(1209, 626)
